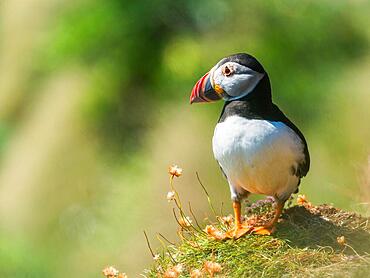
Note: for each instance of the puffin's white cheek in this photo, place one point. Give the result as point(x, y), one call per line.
point(243, 84)
point(231, 86)
point(249, 81)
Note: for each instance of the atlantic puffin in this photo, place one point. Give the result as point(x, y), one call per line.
point(258, 149)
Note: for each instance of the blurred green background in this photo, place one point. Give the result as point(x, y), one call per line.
point(94, 108)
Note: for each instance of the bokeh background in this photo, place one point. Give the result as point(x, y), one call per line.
point(94, 108)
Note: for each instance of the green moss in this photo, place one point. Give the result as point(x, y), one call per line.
point(304, 244)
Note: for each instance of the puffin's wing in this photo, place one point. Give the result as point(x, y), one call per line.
point(222, 170)
point(303, 166)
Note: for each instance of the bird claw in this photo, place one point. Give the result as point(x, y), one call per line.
point(238, 232)
point(263, 230)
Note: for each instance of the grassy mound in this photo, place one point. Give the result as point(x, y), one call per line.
point(309, 241)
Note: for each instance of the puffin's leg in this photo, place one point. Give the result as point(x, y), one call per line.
point(269, 228)
point(239, 229)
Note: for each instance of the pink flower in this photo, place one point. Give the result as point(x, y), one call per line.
point(170, 196)
point(175, 171)
point(196, 273)
point(212, 267)
point(110, 272)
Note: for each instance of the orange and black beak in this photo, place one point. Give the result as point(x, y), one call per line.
point(203, 91)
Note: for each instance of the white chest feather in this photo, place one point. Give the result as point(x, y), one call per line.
point(258, 155)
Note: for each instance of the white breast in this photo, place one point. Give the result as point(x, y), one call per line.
point(258, 155)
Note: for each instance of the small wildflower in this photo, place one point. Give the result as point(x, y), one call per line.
point(175, 171)
point(110, 272)
point(270, 199)
point(185, 222)
point(341, 240)
point(170, 273)
point(227, 220)
point(196, 273)
point(178, 268)
point(170, 196)
point(173, 272)
point(212, 267)
point(214, 233)
point(302, 201)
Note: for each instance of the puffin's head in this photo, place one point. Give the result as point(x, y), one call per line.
point(231, 78)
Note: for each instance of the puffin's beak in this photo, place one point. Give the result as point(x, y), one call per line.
point(203, 91)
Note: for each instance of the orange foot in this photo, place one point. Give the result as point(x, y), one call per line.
point(238, 232)
point(263, 230)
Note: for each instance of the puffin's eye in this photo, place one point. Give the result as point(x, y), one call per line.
point(227, 71)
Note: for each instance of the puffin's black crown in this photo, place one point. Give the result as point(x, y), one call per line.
point(245, 60)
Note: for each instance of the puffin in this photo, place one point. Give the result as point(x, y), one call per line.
point(259, 150)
